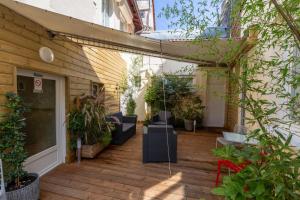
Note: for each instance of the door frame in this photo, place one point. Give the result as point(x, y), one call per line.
point(60, 120)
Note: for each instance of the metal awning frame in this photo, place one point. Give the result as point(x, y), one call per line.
point(81, 40)
point(69, 29)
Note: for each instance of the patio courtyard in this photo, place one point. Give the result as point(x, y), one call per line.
point(118, 173)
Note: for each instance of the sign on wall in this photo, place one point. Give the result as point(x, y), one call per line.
point(38, 85)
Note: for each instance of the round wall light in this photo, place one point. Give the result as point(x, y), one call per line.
point(46, 54)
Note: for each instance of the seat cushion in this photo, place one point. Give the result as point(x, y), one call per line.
point(159, 123)
point(127, 126)
point(119, 115)
point(114, 119)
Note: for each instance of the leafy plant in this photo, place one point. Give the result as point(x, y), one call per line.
point(175, 87)
point(272, 174)
point(189, 108)
point(147, 120)
point(12, 140)
point(133, 80)
point(76, 126)
point(260, 80)
point(88, 120)
point(106, 138)
point(131, 105)
point(94, 120)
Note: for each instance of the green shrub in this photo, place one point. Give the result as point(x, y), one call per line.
point(189, 108)
point(106, 138)
point(76, 126)
point(131, 105)
point(176, 87)
point(272, 174)
point(88, 121)
point(12, 140)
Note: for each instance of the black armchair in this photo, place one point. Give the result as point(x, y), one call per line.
point(155, 148)
point(162, 118)
point(125, 127)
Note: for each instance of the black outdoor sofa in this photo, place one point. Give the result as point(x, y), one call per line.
point(156, 140)
point(162, 118)
point(125, 127)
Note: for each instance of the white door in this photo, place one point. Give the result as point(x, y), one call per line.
point(45, 127)
point(215, 100)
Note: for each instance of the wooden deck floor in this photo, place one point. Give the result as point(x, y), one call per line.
point(118, 173)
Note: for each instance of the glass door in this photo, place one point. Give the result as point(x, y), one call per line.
point(44, 127)
point(41, 117)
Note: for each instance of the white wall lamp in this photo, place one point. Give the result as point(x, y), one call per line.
point(46, 54)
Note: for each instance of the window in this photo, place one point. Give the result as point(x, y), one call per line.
point(142, 14)
point(105, 12)
point(96, 89)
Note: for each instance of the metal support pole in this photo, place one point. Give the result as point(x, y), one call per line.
point(78, 150)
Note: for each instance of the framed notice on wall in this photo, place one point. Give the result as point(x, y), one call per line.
point(37, 85)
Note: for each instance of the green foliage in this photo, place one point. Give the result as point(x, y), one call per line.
point(123, 84)
point(94, 120)
point(76, 122)
point(106, 138)
point(147, 120)
point(176, 87)
point(272, 174)
point(131, 105)
point(153, 93)
point(76, 126)
point(88, 121)
point(264, 77)
point(134, 82)
point(189, 108)
point(12, 140)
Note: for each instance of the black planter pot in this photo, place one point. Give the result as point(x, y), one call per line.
point(29, 192)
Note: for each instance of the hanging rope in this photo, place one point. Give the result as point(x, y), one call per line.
point(165, 107)
point(167, 134)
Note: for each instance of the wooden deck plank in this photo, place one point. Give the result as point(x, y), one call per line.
point(118, 173)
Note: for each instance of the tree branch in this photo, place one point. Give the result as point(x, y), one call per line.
point(289, 20)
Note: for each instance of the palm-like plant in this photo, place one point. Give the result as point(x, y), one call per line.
point(88, 120)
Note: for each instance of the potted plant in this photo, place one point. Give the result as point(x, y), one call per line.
point(88, 126)
point(76, 127)
point(190, 109)
point(19, 184)
point(131, 105)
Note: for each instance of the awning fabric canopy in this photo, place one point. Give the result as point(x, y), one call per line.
point(92, 34)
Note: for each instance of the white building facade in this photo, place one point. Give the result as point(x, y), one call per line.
point(116, 14)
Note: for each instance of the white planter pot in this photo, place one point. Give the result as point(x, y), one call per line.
point(189, 125)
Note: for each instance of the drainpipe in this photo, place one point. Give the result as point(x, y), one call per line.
point(154, 20)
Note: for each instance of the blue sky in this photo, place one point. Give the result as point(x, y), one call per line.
point(161, 23)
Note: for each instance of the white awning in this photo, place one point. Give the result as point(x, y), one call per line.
point(91, 34)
